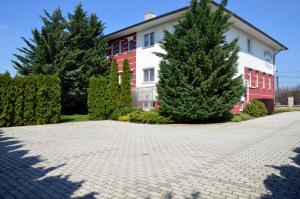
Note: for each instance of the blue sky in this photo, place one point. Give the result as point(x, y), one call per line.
point(277, 18)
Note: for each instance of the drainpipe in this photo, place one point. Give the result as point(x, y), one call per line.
point(275, 74)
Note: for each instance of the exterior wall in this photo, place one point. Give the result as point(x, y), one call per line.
point(144, 58)
point(131, 56)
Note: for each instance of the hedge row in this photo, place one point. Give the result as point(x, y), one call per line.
point(98, 98)
point(29, 100)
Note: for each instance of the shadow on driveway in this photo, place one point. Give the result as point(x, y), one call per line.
point(20, 179)
point(287, 185)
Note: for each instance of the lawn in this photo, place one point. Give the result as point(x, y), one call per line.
point(74, 118)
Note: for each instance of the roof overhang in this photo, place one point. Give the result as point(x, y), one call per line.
point(236, 21)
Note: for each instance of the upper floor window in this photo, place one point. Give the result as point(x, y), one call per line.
point(121, 46)
point(130, 45)
point(149, 75)
point(249, 46)
point(149, 39)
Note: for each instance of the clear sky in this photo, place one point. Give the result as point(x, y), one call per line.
point(280, 19)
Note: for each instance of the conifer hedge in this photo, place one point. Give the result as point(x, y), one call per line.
point(98, 98)
point(29, 100)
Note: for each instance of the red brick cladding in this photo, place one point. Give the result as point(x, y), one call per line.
point(262, 90)
point(131, 56)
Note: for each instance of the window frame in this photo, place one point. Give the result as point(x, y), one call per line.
point(149, 75)
point(149, 39)
point(250, 76)
point(129, 49)
point(256, 78)
point(121, 46)
point(249, 45)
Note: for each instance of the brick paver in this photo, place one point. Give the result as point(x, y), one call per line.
point(253, 159)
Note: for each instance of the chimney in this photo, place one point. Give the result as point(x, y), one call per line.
point(149, 15)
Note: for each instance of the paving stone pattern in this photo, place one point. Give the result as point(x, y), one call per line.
point(253, 159)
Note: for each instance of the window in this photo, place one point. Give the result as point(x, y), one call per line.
point(130, 45)
point(250, 77)
point(149, 39)
point(263, 80)
point(149, 75)
point(112, 49)
point(249, 45)
point(269, 80)
point(121, 46)
point(257, 73)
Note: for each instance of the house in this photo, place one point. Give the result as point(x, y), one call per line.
point(138, 43)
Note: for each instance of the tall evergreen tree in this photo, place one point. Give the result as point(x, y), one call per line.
point(41, 51)
point(74, 49)
point(113, 88)
point(125, 93)
point(198, 71)
point(82, 58)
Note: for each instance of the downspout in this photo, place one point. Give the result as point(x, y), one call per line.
point(275, 73)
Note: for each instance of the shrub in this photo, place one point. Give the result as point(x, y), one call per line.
point(29, 100)
point(256, 108)
point(124, 118)
point(241, 117)
point(98, 98)
point(150, 117)
point(122, 112)
point(113, 88)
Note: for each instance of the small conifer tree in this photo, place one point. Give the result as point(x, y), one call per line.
point(125, 93)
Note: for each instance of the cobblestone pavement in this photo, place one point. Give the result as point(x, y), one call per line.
point(254, 159)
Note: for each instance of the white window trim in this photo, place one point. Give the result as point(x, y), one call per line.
point(250, 77)
point(120, 47)
point(149, 40)
point(129, 40)
point(269, 82)
point(148, 82)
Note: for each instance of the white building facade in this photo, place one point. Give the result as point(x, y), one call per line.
point(140, 42)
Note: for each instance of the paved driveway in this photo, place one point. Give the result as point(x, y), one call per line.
point(253, 159)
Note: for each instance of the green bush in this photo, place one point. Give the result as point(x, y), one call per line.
point(122, 112)
point(150, 117)
point(241, 117)
point(29, 100)
point(124, 118)
point(98, 98)
point(256, 108)
point(29, 116)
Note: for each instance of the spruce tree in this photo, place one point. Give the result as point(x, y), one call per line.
point(125, 93)
point(113, 88)
point(198, 71)
point(74, 49)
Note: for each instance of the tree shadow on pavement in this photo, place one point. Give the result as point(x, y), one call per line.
point(195, 195)
point(287, 185)
point(21, 178)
